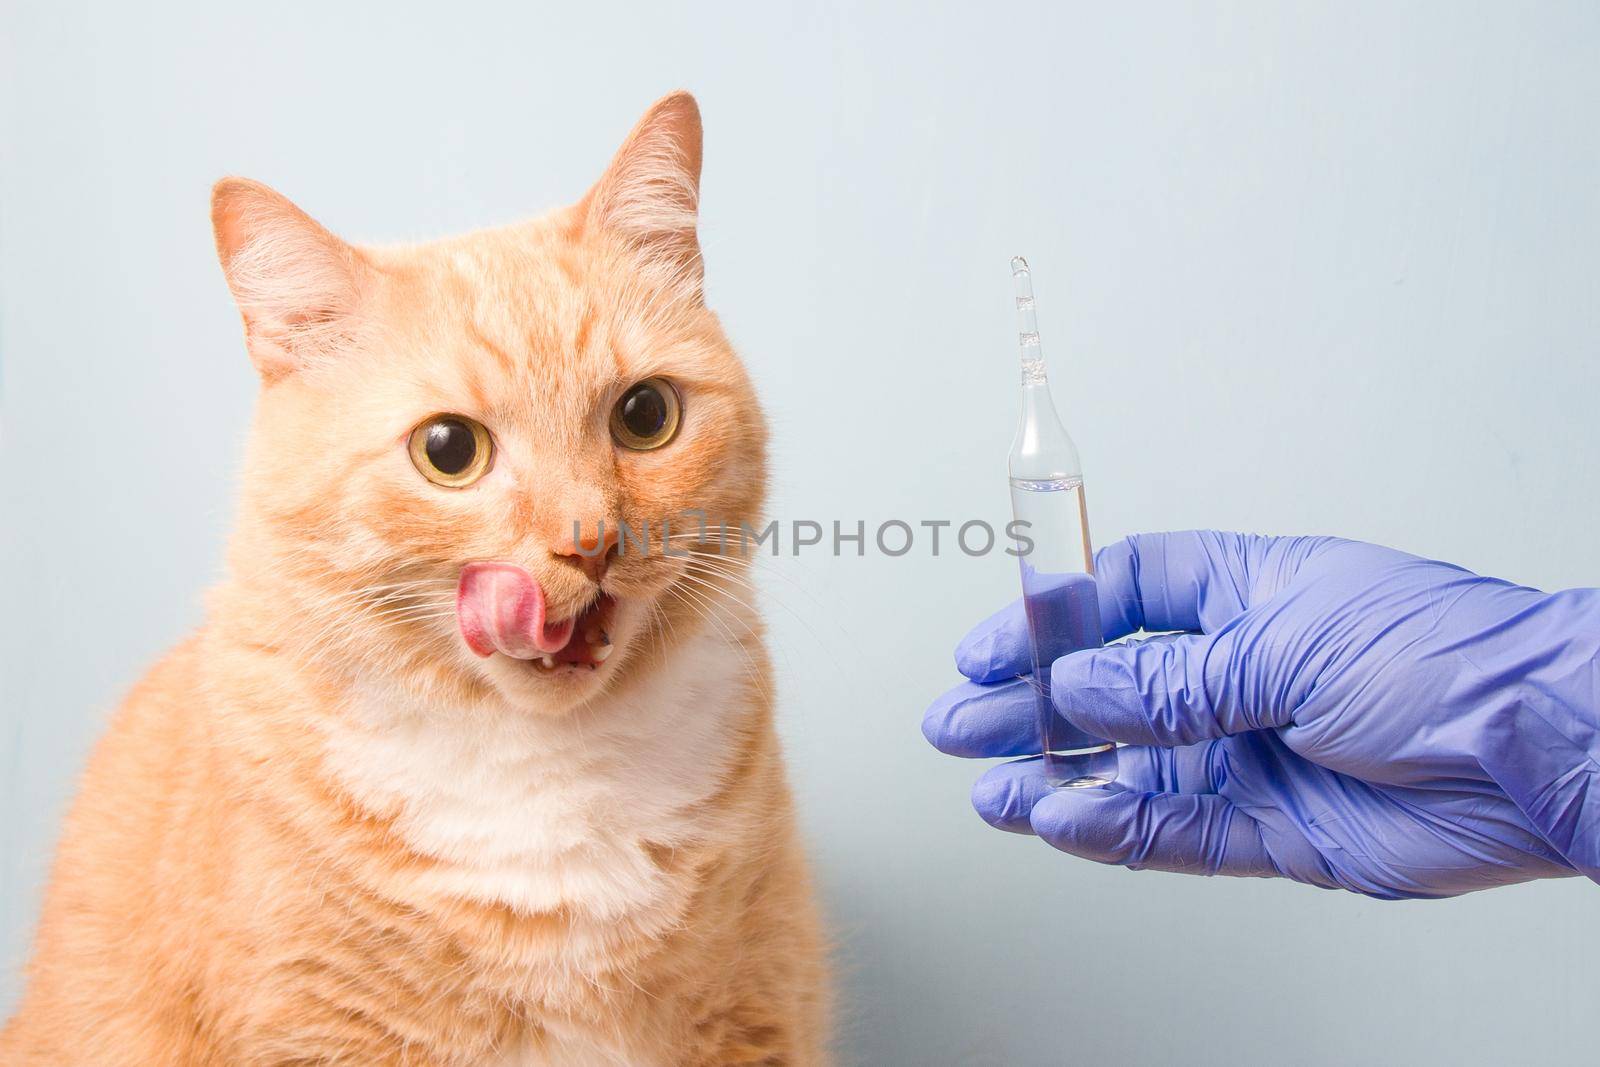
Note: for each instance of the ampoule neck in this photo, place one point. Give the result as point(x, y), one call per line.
point(1034, 372)
point(1042, 447)
point(1039, 406)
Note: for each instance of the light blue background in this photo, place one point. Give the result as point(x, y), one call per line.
point(1301, 268)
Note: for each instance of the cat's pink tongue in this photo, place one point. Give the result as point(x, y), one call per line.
point(501, 609)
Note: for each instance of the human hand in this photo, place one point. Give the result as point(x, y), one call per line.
point(1334, 712)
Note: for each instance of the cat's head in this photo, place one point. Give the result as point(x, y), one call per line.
point(435, 419)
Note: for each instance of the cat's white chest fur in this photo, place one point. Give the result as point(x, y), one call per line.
point(545, 812)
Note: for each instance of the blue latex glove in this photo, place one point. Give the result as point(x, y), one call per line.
point(1334, 712)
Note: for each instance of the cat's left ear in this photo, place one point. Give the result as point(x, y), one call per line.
point(297, 285)
point(650, 195)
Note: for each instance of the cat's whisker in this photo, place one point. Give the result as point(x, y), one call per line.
point(736, 572)
point(708, 615)
point(338, 625)
point(731, 580)
point(765, 560)
point(720, 615)
point(395, 588)
point(717, 589)
point(357, 600)
point(732, 572)
point(661, 630)
point(768, 593)
point(769, 566)
point(347, 606)
point(740, 579)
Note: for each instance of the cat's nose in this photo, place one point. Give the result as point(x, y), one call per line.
point(592, 553)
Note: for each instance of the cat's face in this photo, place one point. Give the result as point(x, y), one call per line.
point(436, 419)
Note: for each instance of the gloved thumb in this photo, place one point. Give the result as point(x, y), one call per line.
point(1170, 692)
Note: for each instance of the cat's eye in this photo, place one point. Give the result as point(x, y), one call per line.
point(647, 415)
point(451, 450)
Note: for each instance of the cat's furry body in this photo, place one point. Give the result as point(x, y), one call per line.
point(321, 831)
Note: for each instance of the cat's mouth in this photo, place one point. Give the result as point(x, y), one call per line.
point(590, 643)
point(501, 608)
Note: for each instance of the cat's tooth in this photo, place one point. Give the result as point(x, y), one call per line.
point(547, 662)
point(600, 653)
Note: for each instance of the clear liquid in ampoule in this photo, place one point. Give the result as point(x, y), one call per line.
point(1063, 607)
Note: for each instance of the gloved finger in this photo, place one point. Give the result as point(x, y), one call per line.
point(1005, 794)
point(1187, 580)
point(998, 647)
point(1171, 693)
point(984, 721)
point(1191, 834)
point(1151, 769)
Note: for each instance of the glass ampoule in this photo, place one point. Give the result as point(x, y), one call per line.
point(1055, 553)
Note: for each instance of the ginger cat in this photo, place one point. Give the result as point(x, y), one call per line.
point(441, 780)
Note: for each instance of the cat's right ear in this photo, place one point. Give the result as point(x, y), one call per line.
point(297, 285)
